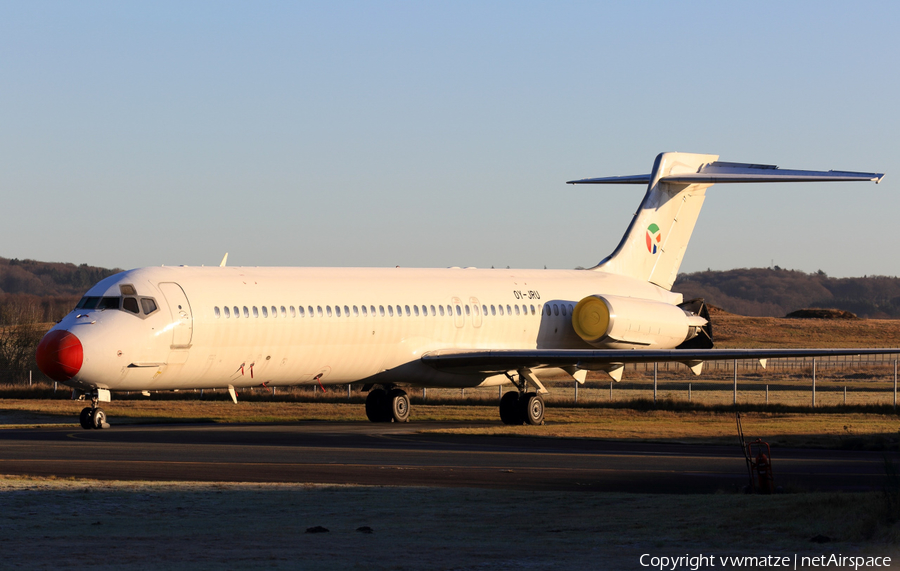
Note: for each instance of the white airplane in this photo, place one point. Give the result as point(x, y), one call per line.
point(164, 328)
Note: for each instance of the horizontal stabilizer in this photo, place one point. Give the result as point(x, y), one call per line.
point(723, 172)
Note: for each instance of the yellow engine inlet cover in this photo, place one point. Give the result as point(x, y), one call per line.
point(591, 318)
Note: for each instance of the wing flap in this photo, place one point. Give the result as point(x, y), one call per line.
point(490, 362)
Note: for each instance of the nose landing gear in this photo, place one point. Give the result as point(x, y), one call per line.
point(93, 416)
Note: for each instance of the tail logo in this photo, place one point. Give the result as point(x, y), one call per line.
point(654, 236)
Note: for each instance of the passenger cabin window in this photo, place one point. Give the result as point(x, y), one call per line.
point(484, 310)
point(216, 311)
point(400, 311)
point(364, 312)
point(318, 310)
point(390, 311)
point(227, 313)
point(458, 310)
point(467, 310)
point(309, 309)
point(441, 307)
point(381, 310)
point(493, 310)
point(372, 310)
point(301, 311)
point(131, 304)
point(246, 312)
point(346, 311)
point(294, 311)
point(337, 310)
point(415, 310)
point(236, 312)
point(356, 311)
point(433, 312)
point(328, 310)
point(500, 307)
point(264, 310)
point(256, 311)
point(517, 310)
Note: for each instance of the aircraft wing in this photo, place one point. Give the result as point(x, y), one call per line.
point(493, 362)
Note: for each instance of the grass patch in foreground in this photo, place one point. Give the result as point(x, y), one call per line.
point(848, 430)
point(264, 526)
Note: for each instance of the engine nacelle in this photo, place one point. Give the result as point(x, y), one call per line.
point(609, 321)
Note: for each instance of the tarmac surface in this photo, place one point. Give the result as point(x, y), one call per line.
point(361, 453)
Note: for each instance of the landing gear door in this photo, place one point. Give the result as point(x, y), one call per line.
point(180, 309)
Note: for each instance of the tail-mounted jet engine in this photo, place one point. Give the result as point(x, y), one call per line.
point(608, 321)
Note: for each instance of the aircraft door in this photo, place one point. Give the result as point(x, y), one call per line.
point(476, 311)
point(458, 318)
point(180, 309)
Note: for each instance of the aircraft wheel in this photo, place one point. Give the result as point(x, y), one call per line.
point(533, 409)
point(98, 419)
point(510, 412)
point(375, 405)
point(85, 418)
point(399, 406)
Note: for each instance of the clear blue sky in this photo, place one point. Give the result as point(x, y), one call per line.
point(439, 134)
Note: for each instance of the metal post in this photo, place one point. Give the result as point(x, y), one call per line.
point(348, 391)
point(499, 392)
point(735, 380)
point(655, 369)
point(845, 396)
point(689, 392)
point(54, 386)
point(814, 384)
point(576, 392)
point(425, 392)
point(29, 377)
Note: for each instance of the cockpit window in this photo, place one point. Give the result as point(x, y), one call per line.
point(130, 304)
point(109, 303)
point(148, 305)
point(88, 302)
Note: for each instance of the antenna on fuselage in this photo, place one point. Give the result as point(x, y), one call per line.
point(224, 259)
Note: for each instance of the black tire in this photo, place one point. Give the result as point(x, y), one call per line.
point(399, 406)
point(98, 418)
point(85, 418)
point(375, 405)
point(510, 411)
point(533, 409)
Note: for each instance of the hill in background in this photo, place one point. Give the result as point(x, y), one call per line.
point(764, 292)
point(756, 292)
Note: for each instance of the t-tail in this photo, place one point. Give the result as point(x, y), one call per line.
point(654, 244)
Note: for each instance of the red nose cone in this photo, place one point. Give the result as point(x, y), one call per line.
point(60, 355)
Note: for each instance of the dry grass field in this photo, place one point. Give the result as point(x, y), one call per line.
point(184, 525)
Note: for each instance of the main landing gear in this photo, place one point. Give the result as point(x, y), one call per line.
point(391, 405)
point(93, 416)
point(523, 406)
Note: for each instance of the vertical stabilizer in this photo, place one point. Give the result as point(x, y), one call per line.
point(654, 244)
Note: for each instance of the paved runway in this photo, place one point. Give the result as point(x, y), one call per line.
point(392, 454)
